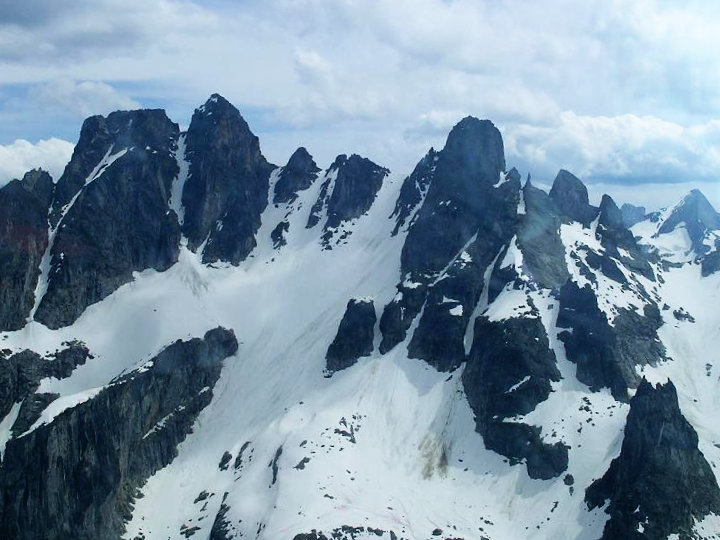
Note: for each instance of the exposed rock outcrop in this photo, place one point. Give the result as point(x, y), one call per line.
point(468, 214)
point(348, 192)
point(354, 338)
point(509, 371)
point(23, 240)
point(539, 239)
point(145, 130)
point(356, 185)
point(605, 354)
point(120, 221)
point(619, 242)
point(21, 373)
point(660, 483)
point(632, 214)
point(299, 174)
point(571, 197)
point(413, 190)
point(697, 215)
point(75, 478)
point(227, 189)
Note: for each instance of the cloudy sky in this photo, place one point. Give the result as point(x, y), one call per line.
point(624, 93)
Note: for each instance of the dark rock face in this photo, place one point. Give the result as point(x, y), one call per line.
point(661, 481)
point(146, 130)
point(299, 174)
point(440, 335)
point(468, 166)
point(21, 373)
point(354, 188)
point(354, 338)
point(614, 234)
point(75, 478)
point(277, 235)
point(467, 193)
point(508, 373)
point(571, 197)
point(539, 239)
point(632, 214)
point(228, 185)
point(606, 355)
point(23, 240)
point(222, 528)
point(357, 183)
point(698, 215)
point(710, 263)
point(120, 222)
point(413, 190)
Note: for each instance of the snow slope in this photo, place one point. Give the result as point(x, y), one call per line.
point(389, 443)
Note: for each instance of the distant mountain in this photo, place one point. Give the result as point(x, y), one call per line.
point(197, 343)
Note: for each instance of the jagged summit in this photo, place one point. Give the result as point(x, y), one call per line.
point(477, 146)
point(227, 187)
point(299, 174)
point(453, 355)
point(571, 197)
point(632, 214)
point(142, 130)
point(696, 213)
point(661, 483)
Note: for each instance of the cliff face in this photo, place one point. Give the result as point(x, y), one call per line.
point(23, 241)
point(455, 354)
point(78, 475)
point(661, 482)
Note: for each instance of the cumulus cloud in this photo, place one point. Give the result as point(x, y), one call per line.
point(625, 148)
point(615, 90)
point(83, 98)
point(20, 156)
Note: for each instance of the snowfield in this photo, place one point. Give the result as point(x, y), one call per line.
point(389, 443)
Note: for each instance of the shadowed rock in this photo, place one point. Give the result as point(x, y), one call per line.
point(23, 240)
point(299, 174)
point(228, 185)
point(660, 483)
point(632, 214)
point(539, 239)
point(467, 193)
point(413, 190)
point(606, 355)
point(354, 338)
point(571, 197)
point(508, 372)
point(698, 217)
point(76, 478)
point(120, 222)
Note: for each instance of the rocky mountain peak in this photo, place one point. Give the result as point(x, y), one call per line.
point(571, 197)
point(696, 213)
point(661, 483)
point(356, 186)
point(40, 184)
point(228, 184)
point(299, 173)
point(610, 214)
point(143, 130)
point(478, 146)
point(632, 214)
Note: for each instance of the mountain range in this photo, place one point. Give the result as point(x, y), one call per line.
point(197, 343)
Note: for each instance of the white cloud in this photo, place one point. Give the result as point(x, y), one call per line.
point(619, 90)
point(84, 98)
point(19, 157)
point(626, 147)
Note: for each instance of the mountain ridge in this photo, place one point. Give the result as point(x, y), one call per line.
point(432, 336)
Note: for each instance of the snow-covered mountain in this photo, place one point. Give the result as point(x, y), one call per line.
point(199, 344)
